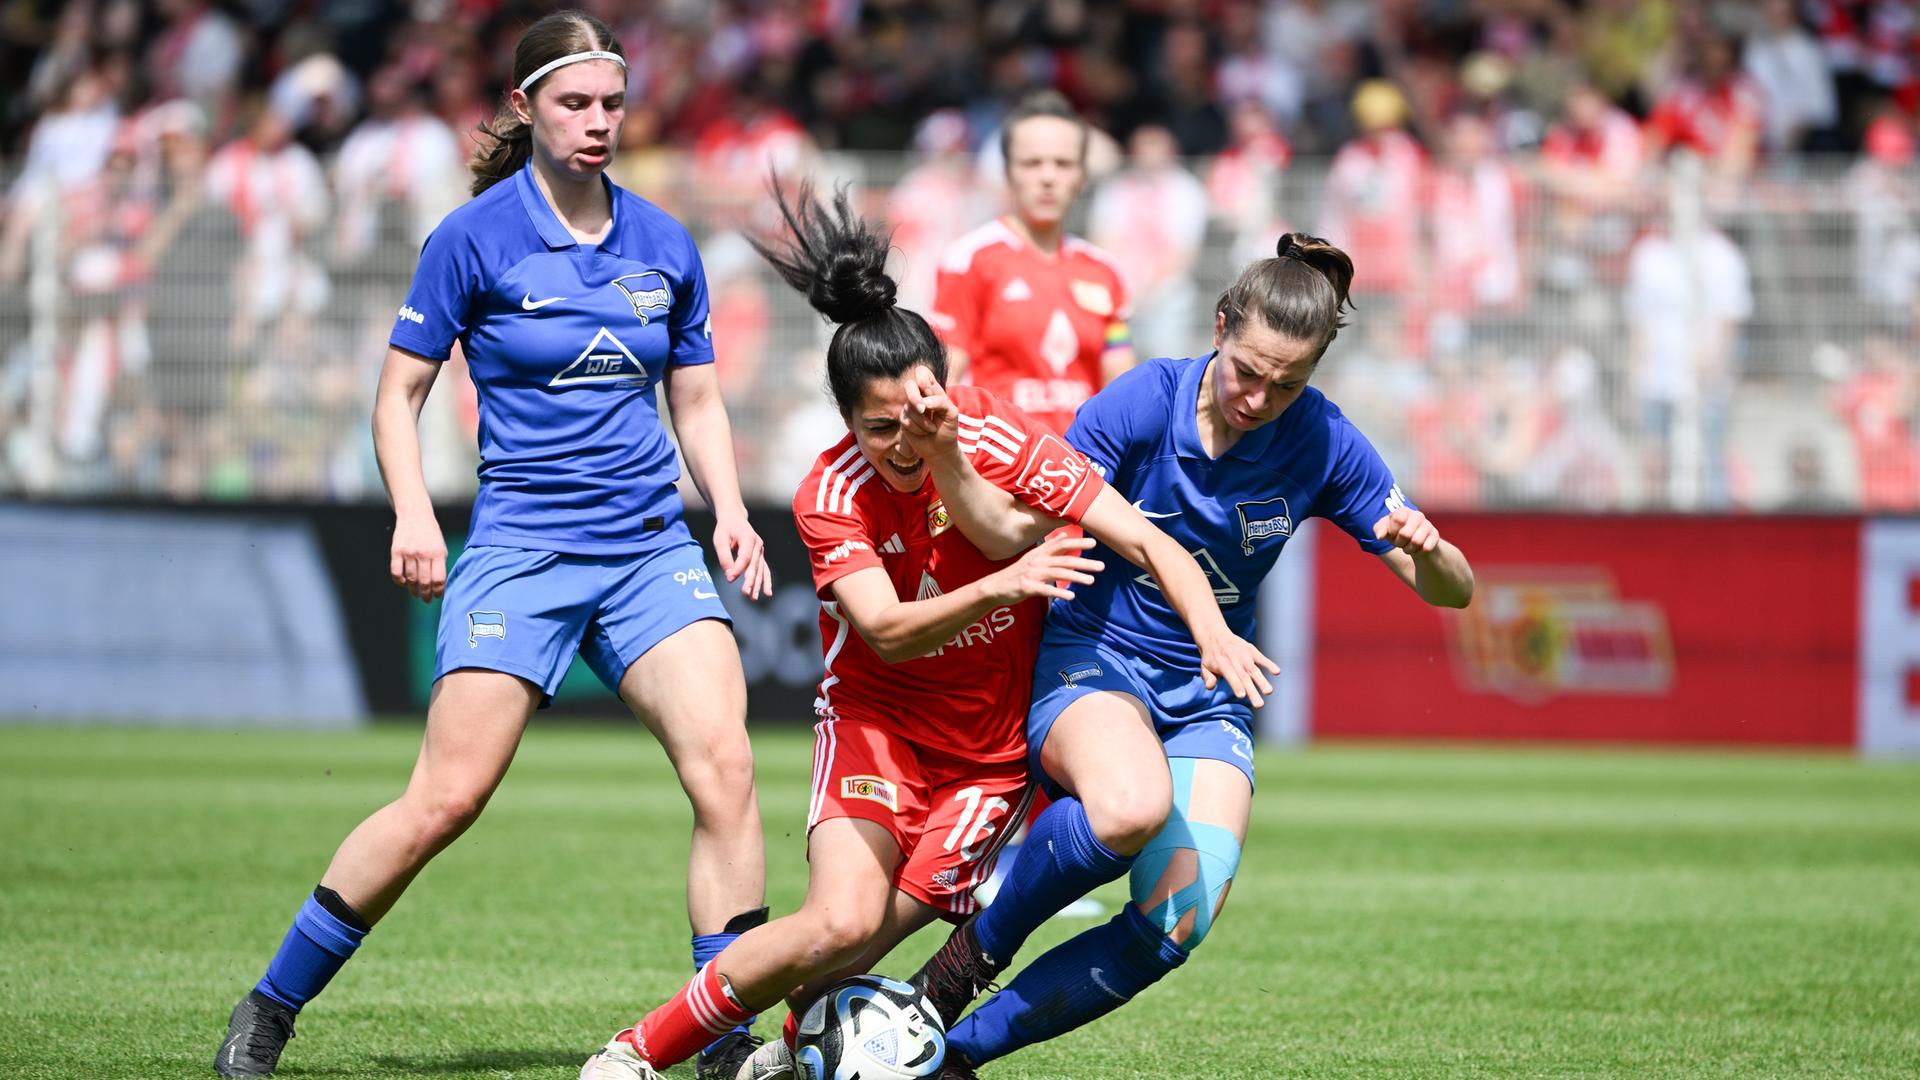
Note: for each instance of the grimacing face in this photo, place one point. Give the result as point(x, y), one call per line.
point(1045, 169)
point(882, 436)
point(576, 112)
point(1258, 372)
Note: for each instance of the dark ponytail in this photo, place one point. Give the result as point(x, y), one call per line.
point(1299, 293)
point(840, 262)
point(507, 142)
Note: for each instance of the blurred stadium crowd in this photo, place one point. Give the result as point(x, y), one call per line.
point(1633, 254)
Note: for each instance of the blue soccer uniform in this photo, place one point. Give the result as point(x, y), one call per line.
point(1234, 513)
point(578, 542)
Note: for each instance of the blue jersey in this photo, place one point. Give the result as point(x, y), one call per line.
point(566, 343)
point(1234, 513)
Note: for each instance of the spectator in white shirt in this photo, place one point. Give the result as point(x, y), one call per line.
point(1802, 111)
point(400, 154)
point(1688, 294)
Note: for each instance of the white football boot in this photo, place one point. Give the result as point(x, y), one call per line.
point(773, 1061)
point(618, 1060)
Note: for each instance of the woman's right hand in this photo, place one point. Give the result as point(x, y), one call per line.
point(932, 421)
point(419, 559)
point(1047, 570)
point(1237, 660)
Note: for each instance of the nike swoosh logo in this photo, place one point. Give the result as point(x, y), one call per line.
point(698, 595)
point(528, 303)
point(1144, 512)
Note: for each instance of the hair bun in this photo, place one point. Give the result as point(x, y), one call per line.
point(1299, 246)
point(853, 285)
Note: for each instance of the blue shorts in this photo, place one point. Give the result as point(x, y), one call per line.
point(1191, 720)
point(528, 612)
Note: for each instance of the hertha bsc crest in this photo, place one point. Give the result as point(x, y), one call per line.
point(648, 292)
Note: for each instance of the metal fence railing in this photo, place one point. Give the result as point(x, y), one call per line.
point(1674, 344)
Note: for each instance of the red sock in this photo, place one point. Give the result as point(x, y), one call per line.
point(791, 1032)
point(701, 1012)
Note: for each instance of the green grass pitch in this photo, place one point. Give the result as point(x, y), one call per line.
point(1401, 912)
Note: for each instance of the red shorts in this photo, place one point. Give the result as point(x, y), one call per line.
point(949, 815)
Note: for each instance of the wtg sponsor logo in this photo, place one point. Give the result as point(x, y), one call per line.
point(606, 359)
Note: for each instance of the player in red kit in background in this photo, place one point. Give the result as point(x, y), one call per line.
point(1027, 311)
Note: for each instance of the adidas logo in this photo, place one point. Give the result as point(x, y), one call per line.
point(893, 546)
point(1017, 290)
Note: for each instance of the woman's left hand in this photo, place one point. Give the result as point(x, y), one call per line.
point(743, 555)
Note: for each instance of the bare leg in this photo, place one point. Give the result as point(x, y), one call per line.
point(905, 917)
point(849, 900)
point(690, 692)
point(474, 723)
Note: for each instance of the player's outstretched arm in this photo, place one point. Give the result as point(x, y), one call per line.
point(900, 630)
point(989, 516)
point(1429, 565)
point(1223, 654)
point(706, 442)
point(418, 559)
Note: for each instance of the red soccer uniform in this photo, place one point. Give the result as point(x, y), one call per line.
point(932, 749)
point(968, 698)
point(1034, 326)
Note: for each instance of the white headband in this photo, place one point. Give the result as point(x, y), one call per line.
point(570, 58)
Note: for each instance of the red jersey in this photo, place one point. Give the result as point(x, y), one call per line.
point(1033, 325)
point(967, 698)
point(1705, 118)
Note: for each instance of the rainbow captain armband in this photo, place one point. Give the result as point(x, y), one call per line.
point(1119, 335)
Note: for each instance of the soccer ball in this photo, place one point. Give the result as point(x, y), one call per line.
point(870, 1027)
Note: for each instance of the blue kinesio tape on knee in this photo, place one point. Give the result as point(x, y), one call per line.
point(1216, 860)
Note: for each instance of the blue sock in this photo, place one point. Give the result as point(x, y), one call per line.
point(708, 946)
point(316, 946)
point(1060, 862)
point(1079, 980)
